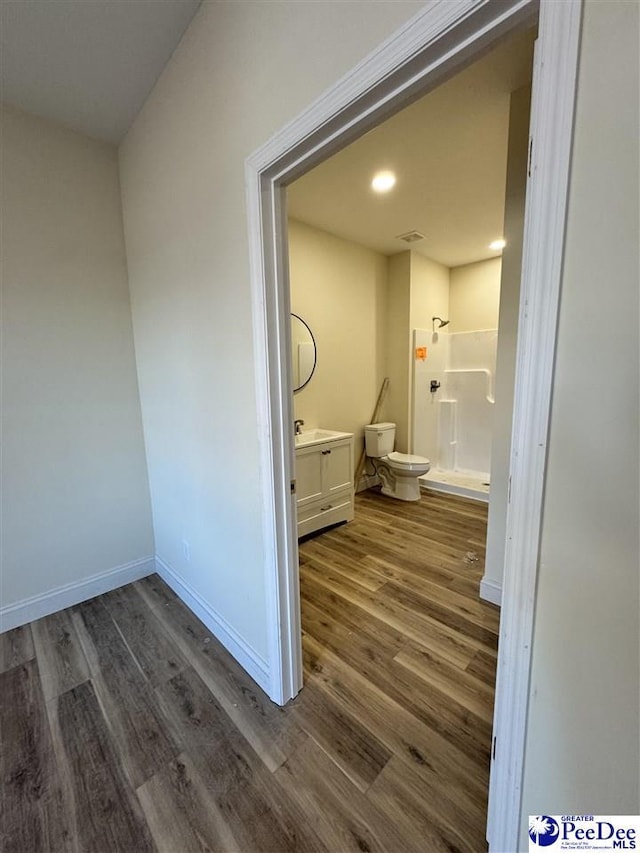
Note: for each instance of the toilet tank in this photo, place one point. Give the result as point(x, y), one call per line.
point(379, 439)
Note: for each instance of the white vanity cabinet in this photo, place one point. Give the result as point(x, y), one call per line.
point(324, 479)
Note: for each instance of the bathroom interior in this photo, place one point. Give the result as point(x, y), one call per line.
point(417, 285)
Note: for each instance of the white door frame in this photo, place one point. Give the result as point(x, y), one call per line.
point(444, 37)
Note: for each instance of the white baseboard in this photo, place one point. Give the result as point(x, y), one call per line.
point(248, 659)
point(29, 609)
point(368, 481)
point(491, 591)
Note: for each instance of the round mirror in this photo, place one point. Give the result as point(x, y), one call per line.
point(303, 352)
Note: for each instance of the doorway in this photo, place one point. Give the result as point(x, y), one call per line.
point(389, 603)
point(439, 40)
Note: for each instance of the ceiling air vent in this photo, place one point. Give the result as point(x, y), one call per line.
point(410, 237)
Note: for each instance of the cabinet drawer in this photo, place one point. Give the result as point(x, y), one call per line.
point(323, 513)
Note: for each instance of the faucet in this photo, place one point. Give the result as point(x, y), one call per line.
point(298, 424)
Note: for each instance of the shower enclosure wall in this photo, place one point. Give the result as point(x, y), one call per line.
point(452, 423)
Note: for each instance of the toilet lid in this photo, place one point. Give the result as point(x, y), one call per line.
point(407, 459)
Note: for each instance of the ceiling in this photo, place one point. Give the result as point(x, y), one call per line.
point(88, 64)
point(449, 153)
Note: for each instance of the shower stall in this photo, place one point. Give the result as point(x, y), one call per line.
point(452, 407)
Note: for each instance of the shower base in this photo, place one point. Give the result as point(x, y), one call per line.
point(469, 484)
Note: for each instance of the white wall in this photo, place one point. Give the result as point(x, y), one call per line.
point(474, 296)
point(241, 71)
point(75, 499)
point(340, 289)
point(518, 152)
point(582, 752)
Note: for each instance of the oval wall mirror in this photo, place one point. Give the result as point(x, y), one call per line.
point(303, 352)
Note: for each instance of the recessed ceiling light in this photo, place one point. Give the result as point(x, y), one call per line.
point(383, 182)
point(498, 244)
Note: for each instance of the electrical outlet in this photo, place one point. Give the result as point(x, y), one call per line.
point(186, 550)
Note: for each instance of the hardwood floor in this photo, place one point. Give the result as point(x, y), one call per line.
point(126, 727)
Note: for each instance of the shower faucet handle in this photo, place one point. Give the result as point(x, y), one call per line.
point(434, 386)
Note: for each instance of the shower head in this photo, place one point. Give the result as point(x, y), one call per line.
point(441, 322)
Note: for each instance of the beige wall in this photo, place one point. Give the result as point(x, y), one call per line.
point(75, 499)
point(397, 403)
point(430, 292)
point(511, 267)
point(582, 751)
point(240, 73)
point(340, 289)
point(363, 326)
point(418, 289)
point(362, 308)
point(429, 297)
point(474, 296)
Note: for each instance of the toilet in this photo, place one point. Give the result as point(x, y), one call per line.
point(398, 472)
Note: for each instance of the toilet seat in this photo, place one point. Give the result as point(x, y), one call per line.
point(407, 461)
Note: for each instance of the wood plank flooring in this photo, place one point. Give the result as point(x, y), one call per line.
point(127, 727)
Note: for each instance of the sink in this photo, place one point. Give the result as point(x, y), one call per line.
point(318, 436)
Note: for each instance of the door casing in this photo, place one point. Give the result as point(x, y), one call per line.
point(441, 39)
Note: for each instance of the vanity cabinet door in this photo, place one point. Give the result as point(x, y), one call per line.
point(338, 466)
point(309, 475)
